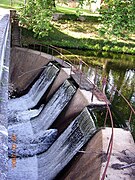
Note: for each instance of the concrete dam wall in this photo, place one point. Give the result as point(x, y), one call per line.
point(49, 118)
point(4, 71)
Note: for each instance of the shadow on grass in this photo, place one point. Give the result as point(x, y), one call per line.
point(60, 39)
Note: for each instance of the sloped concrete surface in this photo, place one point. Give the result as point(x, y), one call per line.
point(123, 154)
point(4, 71)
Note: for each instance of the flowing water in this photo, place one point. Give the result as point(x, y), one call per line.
point(119, 71)
point(31, 99)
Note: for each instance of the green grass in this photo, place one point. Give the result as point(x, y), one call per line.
point(66, 10)
point(69, 10)
point(74, 13)
point(61, 39)
point(8, 4)
point(69, 32)
point(80, 35)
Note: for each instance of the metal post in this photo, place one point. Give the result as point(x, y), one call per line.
point(94, 85)
point(80, 65)
point(47, 49)
point(40, 48)
point(52, 54)
point(88, 73)
point(70, 70)
point(104, 81)
point(62, 59)
point(80, 78)
point(92, 93)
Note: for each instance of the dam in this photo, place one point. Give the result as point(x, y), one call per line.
point(47, 128)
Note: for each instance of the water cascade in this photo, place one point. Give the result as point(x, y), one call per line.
point(48, 164)
point(23, 116)
point(54, 107)
point(32, 146)
point(47, 116)
point(31, 99)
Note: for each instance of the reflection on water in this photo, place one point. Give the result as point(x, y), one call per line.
point(120, 73)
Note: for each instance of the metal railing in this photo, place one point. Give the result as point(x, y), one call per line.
point(78, 65)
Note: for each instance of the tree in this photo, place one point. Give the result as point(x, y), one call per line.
point(118, 18)
point(37, 15)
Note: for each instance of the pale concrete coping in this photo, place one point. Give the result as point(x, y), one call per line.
point(3, 12)
point(45, 55)
point(91, 159)
point(123, 149)
point(34, 52)
point(88, 96)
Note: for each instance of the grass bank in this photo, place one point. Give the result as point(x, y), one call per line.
point(79, 35)
point(9, 4)
point(79, 32)
point(75, 30)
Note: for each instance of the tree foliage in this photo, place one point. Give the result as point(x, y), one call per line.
point(118, 18)
point(36, 15)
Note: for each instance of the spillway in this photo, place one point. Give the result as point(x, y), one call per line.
point(48, 164)
point(35, 143)
point(39, 88)
point(46, 117)
point(51, 122)
point(54, 107)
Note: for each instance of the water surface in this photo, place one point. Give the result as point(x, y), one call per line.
point(119, 71)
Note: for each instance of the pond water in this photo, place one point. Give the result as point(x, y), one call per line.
point(119, 70)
